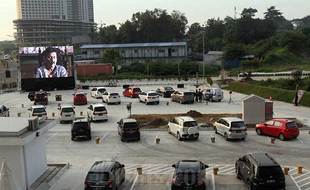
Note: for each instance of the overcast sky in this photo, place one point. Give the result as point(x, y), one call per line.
point(117, 11)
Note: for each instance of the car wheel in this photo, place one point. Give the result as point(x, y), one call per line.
point(259, 131)
point(249, 185)
point(171, 99)
point(146, 103)
point(130, 96)
point(123, 179)
point(61, 121)
point(179, 137)
point(196, 138)
point(89, 137)
point(226, 137)
point(119, 102)
point(220, 100)
point(122, 139)
point(181, 102)
point(242, 139)
point(282, 137)
point(237, 172)
point(72, 138)
point(168, 129)
point(157, 102)
point(138, 138)
point(216, 131)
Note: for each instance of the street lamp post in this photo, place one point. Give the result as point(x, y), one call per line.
point(203, 55)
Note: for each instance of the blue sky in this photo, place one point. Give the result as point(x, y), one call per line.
point(117, 11)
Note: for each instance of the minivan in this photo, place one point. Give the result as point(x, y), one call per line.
point(128, 129)
point(231, 128)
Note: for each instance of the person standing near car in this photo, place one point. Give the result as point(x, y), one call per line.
point(200, 95)
point(50, 69)
point(196, 95)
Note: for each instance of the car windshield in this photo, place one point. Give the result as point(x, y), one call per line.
point(130, 125)
point(98, 176)
point(38, 110)
point(79, 95)
point(80, 124)
point(190, 124)
point(152, 94)
point(238, 124)
point(188, 93)
point(187, 177)
point(169, 88)
point(270, 171)
point(136, 90)
point(114, 94)
point(102, 90)
point(291, 125)
point(67, 110)
point(100, 109)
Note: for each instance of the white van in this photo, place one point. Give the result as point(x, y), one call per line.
point(66, 113)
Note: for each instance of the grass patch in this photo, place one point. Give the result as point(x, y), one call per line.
point(265, 92)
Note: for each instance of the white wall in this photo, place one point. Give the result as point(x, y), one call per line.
point(14, 158)
point(253, 110)
point(36, 159)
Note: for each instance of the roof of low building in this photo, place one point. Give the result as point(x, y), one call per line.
point(128, 45)
point(215, 53)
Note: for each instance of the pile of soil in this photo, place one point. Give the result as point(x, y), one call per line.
point(194, 113)
point(153, 121)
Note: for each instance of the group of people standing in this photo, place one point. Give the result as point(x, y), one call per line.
point(198, 95)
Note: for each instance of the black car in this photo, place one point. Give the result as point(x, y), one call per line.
point(105, 175)
point(80, 127)
point(189, 174)
point(128, 129)
point(165, 91)
point(31, 96)
point(41, 97)
point(260, 171)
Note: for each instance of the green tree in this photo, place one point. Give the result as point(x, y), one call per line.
point(248, 12)
point(234, 51)
point(274, 14)
point(112, 56)
point(93, 33)
point(297, 74)
point(195, 28)
point(107, 34)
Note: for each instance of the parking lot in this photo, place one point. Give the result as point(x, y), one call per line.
point(156, 159)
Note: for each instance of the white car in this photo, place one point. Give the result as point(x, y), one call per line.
point(111, 97)
point(97, 92)
point(38, 111)
point(231, 128)
point(149, 97)
point(97, 112)
point(183, 127)
point(66, 113)
point(4, 111)
point(213, 94)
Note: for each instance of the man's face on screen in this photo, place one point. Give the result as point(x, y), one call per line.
point(51, 60)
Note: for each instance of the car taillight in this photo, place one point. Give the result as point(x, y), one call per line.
point(123, 129)
point(35, 97)
point(109, 96)
point(149, 97)
point(230, 130)
point(110, 184)
point(95, 113)
point(157, 96)
point(72, 128)
point(201, 182)
point(183, 96)
point(138, 128)
point(214, 93)
point(85, 182)
point(118, 95)
point(33, 114)
point(244, 130)
point(105, 112)
point(174, 181)
point(45, 96)
point(44, 113)
point(87, 127)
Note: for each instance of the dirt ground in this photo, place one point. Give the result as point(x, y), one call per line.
point(151, 121)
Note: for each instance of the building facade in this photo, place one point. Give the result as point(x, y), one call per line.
point(42, 22)
point(138, 52)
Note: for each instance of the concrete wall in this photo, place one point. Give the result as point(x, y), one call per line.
point(14, 158)
point(35, 159)
point(94, 69)
point(253, 110)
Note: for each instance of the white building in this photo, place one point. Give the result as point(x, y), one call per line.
point(41, 22)
point(213, 58)
point(138, 52)
point(24, 150)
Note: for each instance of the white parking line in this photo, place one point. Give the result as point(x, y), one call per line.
point(305, 184)
point(133, 185)
point(103, 137)
point(302, 175)
point(303, 179)
point(119, 118)
point(300, 140)
point(295, 183)
point(51, 137)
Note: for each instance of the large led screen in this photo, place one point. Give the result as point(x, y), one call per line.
point(46, 62)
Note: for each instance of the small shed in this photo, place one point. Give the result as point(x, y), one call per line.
point(253, 109)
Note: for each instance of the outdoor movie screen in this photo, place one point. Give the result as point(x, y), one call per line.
point(46, 62)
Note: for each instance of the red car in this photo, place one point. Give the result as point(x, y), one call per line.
point(282, 128)
point(132, 92)
point(79, 97)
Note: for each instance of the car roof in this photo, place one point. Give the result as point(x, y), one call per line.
point(38, 106)
point(263, 159)
point(232, 119)
point(102, 166)
point(41, 92)
point(98, 105)
point(185, 165)
point(133, 87)
point(283, 120)
point(66, 106)
point(129, 120)
point(100, 88)
point(186, 118)
point(151, 92)
point(80, 119)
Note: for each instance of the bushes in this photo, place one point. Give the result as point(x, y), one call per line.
point(265, 92)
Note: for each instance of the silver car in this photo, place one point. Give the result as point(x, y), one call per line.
point(213, 94)
point(231, 128)
point(182, 97)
